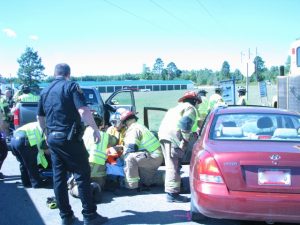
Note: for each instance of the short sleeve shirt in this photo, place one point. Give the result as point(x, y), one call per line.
point(59, 103)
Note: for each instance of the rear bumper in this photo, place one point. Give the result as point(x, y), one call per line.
point(214, 200)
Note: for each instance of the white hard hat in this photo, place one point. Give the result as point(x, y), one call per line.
point(115, 118)
point(120, 110)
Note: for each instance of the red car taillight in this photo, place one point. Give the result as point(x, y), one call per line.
point(16, 117)
point(208, 169)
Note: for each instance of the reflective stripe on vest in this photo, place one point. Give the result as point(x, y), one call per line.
point(34, 136)
point(149, 142)
point(97, 151)
point(171, 184)
point(41, 159)
point(132, 180)
point(28, 98)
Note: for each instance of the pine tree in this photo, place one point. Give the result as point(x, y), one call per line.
point(30, 68)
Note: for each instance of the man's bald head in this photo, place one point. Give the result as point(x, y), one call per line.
point(62, 69)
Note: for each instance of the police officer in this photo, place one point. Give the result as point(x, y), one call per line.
point(175, 133)
point(242, 96)
point(61, 108)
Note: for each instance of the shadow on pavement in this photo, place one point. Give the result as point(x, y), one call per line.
point(16, 206)
point(156, 217)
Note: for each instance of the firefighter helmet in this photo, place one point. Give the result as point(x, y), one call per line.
point(190, 95)
point(127, 115)
point(115, 117)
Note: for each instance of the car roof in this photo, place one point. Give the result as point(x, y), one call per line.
point(251, 109)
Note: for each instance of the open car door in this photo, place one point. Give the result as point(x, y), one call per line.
point(152, 120)
point(119, 99)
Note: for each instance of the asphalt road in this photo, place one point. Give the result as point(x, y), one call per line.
point(28, 206)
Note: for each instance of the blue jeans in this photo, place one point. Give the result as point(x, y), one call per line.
point(70, 156)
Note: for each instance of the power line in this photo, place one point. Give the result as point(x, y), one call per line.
point(206, 10)
point(169, 13)
point(135, 15)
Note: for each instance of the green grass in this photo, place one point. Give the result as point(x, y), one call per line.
point(168, 99)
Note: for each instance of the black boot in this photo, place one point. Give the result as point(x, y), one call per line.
point(176, 197)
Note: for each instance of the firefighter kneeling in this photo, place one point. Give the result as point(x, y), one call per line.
point(142, 155)
point(97, 159)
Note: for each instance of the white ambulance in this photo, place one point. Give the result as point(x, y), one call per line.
point(295, 58)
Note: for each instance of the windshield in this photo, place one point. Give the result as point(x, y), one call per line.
point(271, 127)
point(90, 96)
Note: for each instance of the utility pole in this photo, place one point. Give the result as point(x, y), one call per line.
point(242, 54)
point(247, 80)
point(256, 66)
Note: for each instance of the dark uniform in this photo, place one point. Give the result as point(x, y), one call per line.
point(3, 152)
point(59, 103)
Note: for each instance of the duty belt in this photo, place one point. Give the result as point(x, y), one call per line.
point(58, 134)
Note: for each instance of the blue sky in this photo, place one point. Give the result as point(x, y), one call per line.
point(107, 37)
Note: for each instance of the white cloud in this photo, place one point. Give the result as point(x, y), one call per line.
point(9, 32)
point(33, 37)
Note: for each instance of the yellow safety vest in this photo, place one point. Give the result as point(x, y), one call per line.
point(97, 152)
point(28, 98)
point(118, 134)
point(149, 142)
point(3, 106)
point(215, 98)
point(34, 136)
point(202, 108)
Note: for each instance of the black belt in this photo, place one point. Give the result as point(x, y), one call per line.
point(58, 134)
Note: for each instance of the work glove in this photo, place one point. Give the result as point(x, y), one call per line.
point(183, 145)
point(97, 136)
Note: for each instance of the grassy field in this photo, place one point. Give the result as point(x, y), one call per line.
point(168, 99)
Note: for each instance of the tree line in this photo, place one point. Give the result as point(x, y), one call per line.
point(31, 72)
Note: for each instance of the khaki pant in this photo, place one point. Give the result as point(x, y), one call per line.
point(141, 167)
point(172, 180)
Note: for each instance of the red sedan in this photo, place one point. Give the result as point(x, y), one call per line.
point(246, 166)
